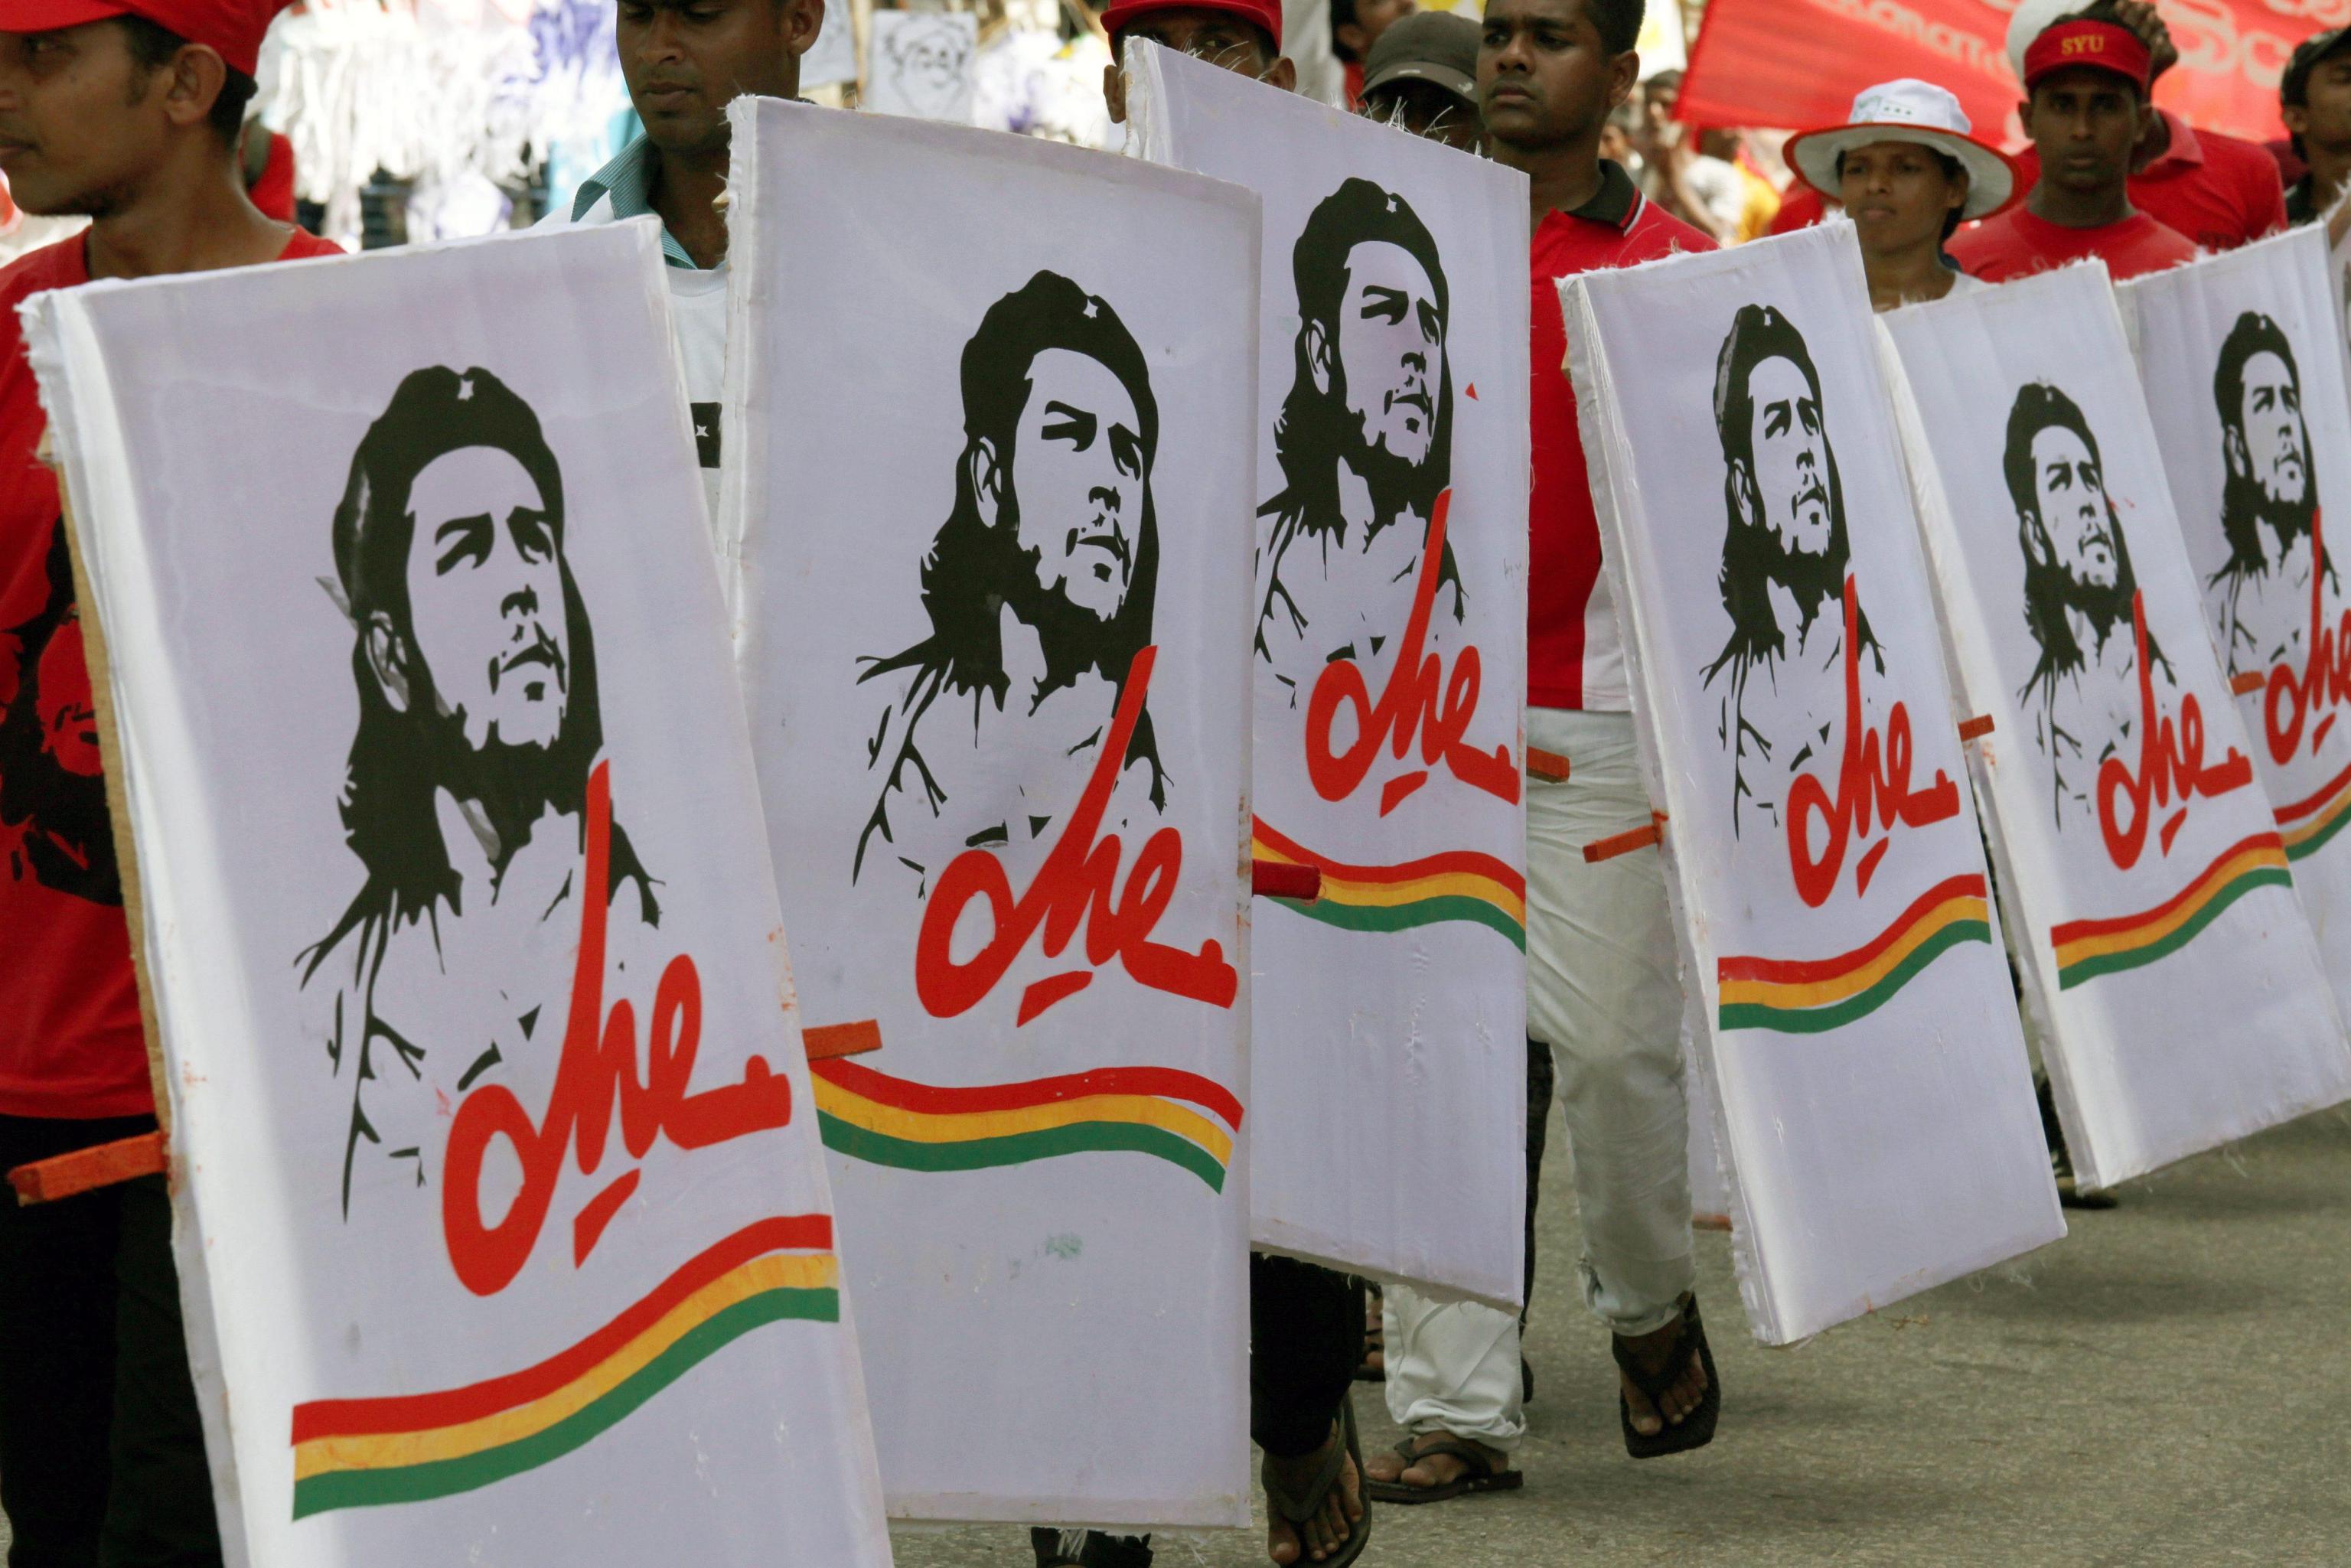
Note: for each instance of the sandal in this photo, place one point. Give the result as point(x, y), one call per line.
point(1478, 1473)
point(1696, 1428)
point(1300, 1510)
point(1375, 1343)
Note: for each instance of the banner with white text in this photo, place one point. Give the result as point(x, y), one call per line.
point(1874, 1105)
point(2159, 939)
point(1390, 628)
point(503, 1224)
point(989, 487)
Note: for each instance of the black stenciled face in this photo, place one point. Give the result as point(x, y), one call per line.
point(1391, 350)
point(2077, 526)
point(52, 797)
point(1077, 469)
point(2269, 475)
point(1789, 471)
point(486, 597)
point(2270, 423)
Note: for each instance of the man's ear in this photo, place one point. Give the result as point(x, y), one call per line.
point(2232, 449)
point(803, 20)
point(2296, 117)
point(2035, 542)
point(1624, 76)
point(387, 655)
point(1322, 357)
point(983, 466)
point(1742, 485)
point(192, 81)
point(1114, 92)
point(1282, 74)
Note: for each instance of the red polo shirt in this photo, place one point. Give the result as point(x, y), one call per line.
point(2219, 191)
point(70, 1044)
point(1575, 657)
point(2017, 245)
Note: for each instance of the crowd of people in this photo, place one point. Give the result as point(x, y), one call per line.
point(131, 112)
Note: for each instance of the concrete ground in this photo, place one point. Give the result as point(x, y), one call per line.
point(2168, 1385)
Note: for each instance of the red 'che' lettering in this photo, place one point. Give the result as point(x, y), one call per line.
point(1873, 789)
point(596, 1073)
point(2170, 760)
point(1418, 696)
point(1078, 885)
point(2324, 679)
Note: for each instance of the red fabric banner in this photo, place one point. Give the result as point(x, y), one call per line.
point(1798, 63)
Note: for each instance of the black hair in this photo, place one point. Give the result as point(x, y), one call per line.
point(1952, 169)
point(154, 46)
point(401, 754)
point(1753, 557)
point(1342, 12)
point(67, 838)
point(2049, 589)
point(2243, 503)
point(976, 567)
point(1312, 434)
point(1619, 22)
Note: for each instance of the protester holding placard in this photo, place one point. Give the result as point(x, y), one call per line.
point(684, 66)
point(1602, 994)
point(1423, 76)
point(1242, 36)
point(2219, 191)
point(1906, 168)
point(2315, 95)
point(131, 116)
point(2086, 78)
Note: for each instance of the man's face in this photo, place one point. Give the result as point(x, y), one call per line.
point(685, 60)
point(2084, 123)
point(69, 723)
point(80, 122)
point(1428, 109)
point(2324, 120)
point(1791, 447)
point(1898, 196)
point(1544, 77)
point(486, 597)
point(2277, 441)
point(1077, 468)
point(2074, 516)
point(1391, 349)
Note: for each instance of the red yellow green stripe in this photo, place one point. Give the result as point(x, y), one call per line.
point(2088, 949)
point(360, 1453)
point(2306, 825)
point(1811, 996)
point(1175, 1116)
point(1458, 885)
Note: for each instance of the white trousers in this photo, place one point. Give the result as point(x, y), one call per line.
point(1604, 991)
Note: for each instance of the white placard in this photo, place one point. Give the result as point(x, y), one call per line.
point(990, 497)
point(2236, 356)
point(1390, 1012)
point(1874, 1106)
point(503, 1228)
point(2153, 912)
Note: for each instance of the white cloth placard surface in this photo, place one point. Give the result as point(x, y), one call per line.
point(2237, 357)
point(1389, 1014)
point(1872, 1096)
point(2154, 914)
point(991, 501)
point(502, 1217)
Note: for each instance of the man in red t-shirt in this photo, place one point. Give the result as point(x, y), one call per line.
point(2085, 78)
point(128, 114)
point(1604, 1000)
point(2219, 191)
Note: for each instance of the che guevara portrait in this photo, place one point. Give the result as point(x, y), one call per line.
point(53, 815)
point(2082, 696)
point(2268, 499)
point(1038, 589)
point(467, 784)
point(1785, 556)
point(1364, 441)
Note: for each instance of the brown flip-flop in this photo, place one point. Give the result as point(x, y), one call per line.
point(1478, 1474)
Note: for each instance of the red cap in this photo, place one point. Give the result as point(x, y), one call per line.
point(231, 28)
point(1264, 14)
point(2093, 46)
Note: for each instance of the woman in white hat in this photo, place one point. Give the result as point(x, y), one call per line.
point(1908, 174)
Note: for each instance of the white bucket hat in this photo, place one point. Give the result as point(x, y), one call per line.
point(1907, 110)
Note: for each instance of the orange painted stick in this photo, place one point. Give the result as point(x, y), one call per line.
point(1975, 728)
point(827, 1040)
point(85, 1170)
point(1615, 844)
point(1278, 878)
point(1547, 765)
point(2247, 684)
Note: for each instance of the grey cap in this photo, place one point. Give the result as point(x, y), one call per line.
point(1436, 46)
